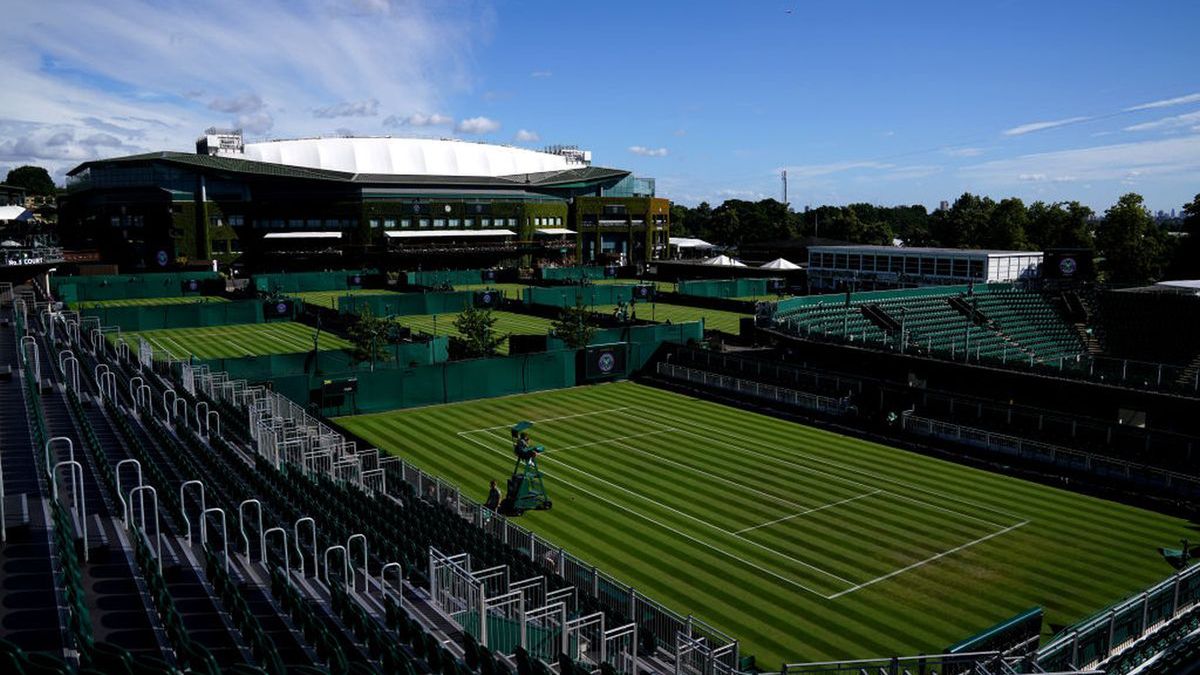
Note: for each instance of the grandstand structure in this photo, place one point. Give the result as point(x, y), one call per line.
point(357, 201)
point(986, 323)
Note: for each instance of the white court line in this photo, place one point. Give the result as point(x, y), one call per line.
point(183, 351)
point(610, 440)
point(550, 419)
point(821, 460)
point(930, 559)
point(672, 509)
point(664, 526)
point(812, 510)
point(155, 342)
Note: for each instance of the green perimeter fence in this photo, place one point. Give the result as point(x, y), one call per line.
point(405, 304)
point(268, 367)
point(569, 296)
point(432, 384)
point(155, 317)
point(126, 286)
point(731, 288)
point(568, 273)
point(301, 282)
point(439, 277)
point(398, 384)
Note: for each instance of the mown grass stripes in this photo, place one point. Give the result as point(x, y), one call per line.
point(232, 341)
point(143, 302)
point(661, 511)
point(661, 312)
point(506, 323)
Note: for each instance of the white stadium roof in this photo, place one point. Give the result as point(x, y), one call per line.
point(404, 156)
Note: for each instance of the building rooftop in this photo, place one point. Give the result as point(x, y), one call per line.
point(921, 250)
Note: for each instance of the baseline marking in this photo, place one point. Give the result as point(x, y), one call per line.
point(930, 559)
point(550, 419)
point(812, 510)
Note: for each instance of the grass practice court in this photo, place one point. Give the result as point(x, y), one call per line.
point(148, 302)
point(329, 298)
point(232, 341)
point(506, 323)
point(805, 544)
point(661, 312)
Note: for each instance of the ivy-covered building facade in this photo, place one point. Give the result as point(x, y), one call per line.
point(262, 210)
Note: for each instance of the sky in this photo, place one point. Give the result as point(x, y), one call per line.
point(885, 102)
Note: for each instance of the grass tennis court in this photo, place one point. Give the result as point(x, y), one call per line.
point(223, 342)
point(329, 298)
point(506, 322)
point(144, 302)
point(512, 291)
point(804, 544)
point(714, 319)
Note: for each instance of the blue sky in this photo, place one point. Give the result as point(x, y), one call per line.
point(886, 102)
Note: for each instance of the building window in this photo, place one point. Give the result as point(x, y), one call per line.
point(454, 222)
point(295, 223)
point(389, 223)
point(486, 222)
point(439, 222)
point(424, 222)
point(405, 222)
point(374, 223)
point(237, 220)
point(512, 222)
point(943, 267)
point(468, 222)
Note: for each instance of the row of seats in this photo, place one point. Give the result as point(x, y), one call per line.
point(1016, 325)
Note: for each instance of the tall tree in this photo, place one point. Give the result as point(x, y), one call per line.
point(1187, 255)
point(1132, 245)
point(369, 336)
point(964, 223)
point(477, 330)
point(35, 179)
point(1006, 227)
point(573, 327)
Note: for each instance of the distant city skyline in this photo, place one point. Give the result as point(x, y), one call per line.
point(860, 102)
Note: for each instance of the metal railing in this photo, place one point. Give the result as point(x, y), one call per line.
point(815, 402)
point(1046, 453)
point(1093, 641)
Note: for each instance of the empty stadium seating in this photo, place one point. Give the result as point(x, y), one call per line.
point(995, 323)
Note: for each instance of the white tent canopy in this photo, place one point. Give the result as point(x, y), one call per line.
point(14, 212)
point(724, 261)
point(688, 242)
point(780, 264)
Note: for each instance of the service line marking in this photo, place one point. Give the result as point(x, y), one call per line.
point(808, 511)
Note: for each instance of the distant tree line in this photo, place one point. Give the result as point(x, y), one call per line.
point(1132, 246)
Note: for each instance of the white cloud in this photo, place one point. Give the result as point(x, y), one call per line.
point(541, 74)
point(477, 125)
point(96, 68)
point(419, 120)
point(648, 152)
point(365, 108)
point(237, 104)
point(1042, 126)
point(964, 152)
point(526, 136)
point(257, 123)
point(1166, 102)
point(1172, 157)
point(802, 171)
point(1173, 122)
